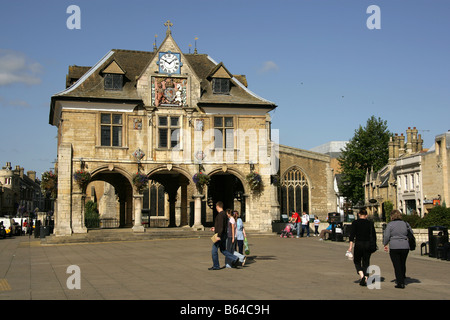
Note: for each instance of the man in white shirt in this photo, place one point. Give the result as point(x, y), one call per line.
point(305, 224)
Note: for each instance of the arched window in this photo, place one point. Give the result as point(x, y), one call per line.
point(154, 199)
point(294, 192)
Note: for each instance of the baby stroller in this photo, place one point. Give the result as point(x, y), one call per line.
point(287, 231)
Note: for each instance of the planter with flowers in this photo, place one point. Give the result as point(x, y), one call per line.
point(140, 181)
point(254, 180)
point(201, 179)
point(82, 178)
point(49, 184)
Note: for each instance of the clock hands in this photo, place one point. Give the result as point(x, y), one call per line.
point(168, 61)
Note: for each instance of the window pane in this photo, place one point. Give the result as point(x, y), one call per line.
point(174, 121)
point(228, 122)
point(153, 201)
point(117, 119)
point(298, 198)
point(218, 121)
point(225, 86)
point(218, 138)
point(291, 202)
point(106, 136)
point(221, 85)
point(117, 82)
point(113, 81)
point(108, 81)
point(174, 138)
point(305, 199)
point(163, 138)
point(106, 118)
point(163, 121)
point(117, 136)
point(229, 139)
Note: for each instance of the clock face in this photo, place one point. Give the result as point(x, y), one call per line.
point(169, 62)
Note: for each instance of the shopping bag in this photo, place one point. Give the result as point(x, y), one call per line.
point(214, 238)
point(246, 249)
point(349, 255)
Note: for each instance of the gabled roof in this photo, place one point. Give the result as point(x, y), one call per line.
point(114, 68)
point(86, 83)
point(90, 85)
point(239, 93)
point(219, 71)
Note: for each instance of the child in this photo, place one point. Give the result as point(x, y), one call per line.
point(316, 226)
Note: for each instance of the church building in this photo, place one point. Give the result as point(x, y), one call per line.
point(156, 138)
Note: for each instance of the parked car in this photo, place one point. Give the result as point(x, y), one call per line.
point(6, 224)
point(2, 231)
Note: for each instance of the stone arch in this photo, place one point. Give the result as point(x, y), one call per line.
point(103, 169)
point(116, 182)
point(175, 181)
point(236, 173)
point(165, 169)
point(230, 187)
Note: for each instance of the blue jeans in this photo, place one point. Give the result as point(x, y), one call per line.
point(305, 227)
point(298, 227)
point(220, 245)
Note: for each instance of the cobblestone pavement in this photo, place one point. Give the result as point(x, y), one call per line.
point(177, 269)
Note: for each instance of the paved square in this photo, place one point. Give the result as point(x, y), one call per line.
point(177, 269)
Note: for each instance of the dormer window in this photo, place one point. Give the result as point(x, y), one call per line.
point(113, 76)
point(221, 85)
point(113, 81)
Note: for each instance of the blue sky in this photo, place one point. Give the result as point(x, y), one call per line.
point(317, 60)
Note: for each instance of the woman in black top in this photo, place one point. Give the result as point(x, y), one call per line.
point(361, 231)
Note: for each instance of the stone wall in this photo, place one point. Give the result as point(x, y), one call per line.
point(316, 167)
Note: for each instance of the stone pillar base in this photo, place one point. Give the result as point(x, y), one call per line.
point(62, 231)
point(138, 229)
point(80, 230)
point(199, 227)
point(198, 212)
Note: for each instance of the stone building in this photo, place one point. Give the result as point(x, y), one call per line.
point(435, 165)
point(306, 182)
point(415, 179)
point(20, 193)
point(386, 184)
point(170, 115)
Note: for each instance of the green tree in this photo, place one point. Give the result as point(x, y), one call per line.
point(91, 215)
point(366, 150)
point(438, 216)
point(388, 206)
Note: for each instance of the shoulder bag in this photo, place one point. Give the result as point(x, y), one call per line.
point(411, 238)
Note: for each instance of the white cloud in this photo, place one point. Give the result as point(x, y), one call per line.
point(14, 103)
point(15, 67)
point(268, 66)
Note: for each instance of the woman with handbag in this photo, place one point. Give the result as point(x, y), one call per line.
point(396, 235)
point(363, 235)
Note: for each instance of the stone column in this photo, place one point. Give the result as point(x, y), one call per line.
point(78, 200)
point(138, 199)
point(247, 207)
point(275, 206)
point(178, 208)
point(198, 212)
point(184, 218)
point(172, 201)
point(63, 216)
